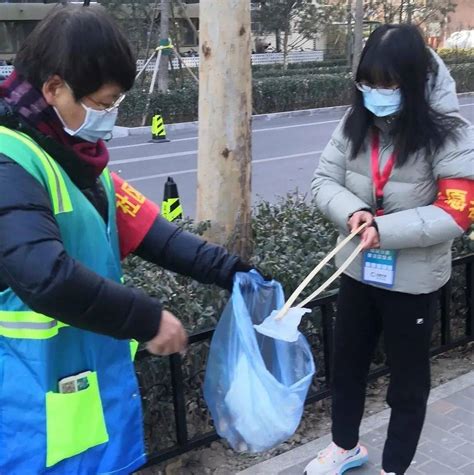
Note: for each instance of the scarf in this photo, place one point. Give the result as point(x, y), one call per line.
point(29, 104)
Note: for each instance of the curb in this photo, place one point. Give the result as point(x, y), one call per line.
point(120, 132)
point(306, 451)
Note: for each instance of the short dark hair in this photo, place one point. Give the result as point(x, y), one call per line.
point(80, 44)
point(397, 54)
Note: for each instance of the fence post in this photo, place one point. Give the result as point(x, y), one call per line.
point(327, 313)
point(446, 294)
point(178, 399)
point(470, 299)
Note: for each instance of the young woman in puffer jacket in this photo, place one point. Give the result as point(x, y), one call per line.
point(402, 160)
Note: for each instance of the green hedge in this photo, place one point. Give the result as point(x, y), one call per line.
point(270, 94)
point(271, 72)
point(463, 74)
point(178, 105)
point(303, 65)
point(457, 56)
point(301, 92)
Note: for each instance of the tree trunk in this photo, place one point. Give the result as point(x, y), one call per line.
point(225, 111)
point(409, 11)
point(402, 5)
point(149, 36)
point(277, 41)
point(186, 17)
point(349, 33)
point(358, 34)
point(163, 77)
point(286, 37)
point(177, 47)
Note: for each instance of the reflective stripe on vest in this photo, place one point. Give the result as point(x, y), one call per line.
point(59, 195)
point(108, 180)
point(28, 324)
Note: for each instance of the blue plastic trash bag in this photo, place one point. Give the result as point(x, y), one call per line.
point(255, 386)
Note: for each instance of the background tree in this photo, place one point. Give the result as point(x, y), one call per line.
point(358, 34)
point(138, 19)
point(302, 17)
point(431, 11)
point(418, 12)
point(278, 16)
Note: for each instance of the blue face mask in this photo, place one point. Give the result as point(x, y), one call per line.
point(97, 124)
point(382, 102)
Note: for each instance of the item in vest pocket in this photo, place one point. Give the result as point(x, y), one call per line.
point(73, 384)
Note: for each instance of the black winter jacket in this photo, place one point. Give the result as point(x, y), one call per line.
point(35, 265)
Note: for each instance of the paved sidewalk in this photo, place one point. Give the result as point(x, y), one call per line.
point(446, 446)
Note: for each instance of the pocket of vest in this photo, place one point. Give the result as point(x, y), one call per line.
point(74, 422)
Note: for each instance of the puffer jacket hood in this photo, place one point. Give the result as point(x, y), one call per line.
point(441, 88)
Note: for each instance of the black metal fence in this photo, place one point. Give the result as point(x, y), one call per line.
point(454, 327)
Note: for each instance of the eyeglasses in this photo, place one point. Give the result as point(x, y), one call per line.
point(384, 91)
point(110, 108)
point(100, 106)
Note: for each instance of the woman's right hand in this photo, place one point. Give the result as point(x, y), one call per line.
point(359, 218)
point(171, 337)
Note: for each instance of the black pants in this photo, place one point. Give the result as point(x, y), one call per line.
point(406, 320)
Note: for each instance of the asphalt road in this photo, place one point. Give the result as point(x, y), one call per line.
point(285, 154)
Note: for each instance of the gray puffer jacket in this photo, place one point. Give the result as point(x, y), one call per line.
point(422, 233)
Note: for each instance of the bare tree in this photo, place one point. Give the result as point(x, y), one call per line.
point(418, 12)
point(358, 34)
point(303, 17)
point(163, 76)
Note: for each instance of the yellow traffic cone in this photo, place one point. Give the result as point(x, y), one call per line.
point(171, 208)
point(158, 131)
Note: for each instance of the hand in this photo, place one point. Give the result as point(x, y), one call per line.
point(359, 218)
point(171, 337)
point(242, 266)
point(370, 238)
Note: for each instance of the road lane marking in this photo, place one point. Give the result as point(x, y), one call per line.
point(267, 129)
point(194, 170)
point(152, 157)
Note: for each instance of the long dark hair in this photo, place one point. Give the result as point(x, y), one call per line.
point(397, 54)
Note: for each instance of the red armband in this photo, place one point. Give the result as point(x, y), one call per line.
point(456, 197)
point(135, 215)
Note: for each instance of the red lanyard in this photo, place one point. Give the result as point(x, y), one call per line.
point(380, 180)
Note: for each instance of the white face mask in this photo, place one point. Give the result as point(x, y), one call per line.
point(97, 124)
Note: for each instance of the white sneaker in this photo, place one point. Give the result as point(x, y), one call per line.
point(383, 472)
point(335, 461)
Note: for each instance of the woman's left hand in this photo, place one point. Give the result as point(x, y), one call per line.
point(370, 238)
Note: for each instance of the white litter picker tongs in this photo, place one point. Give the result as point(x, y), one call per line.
point(283, 324)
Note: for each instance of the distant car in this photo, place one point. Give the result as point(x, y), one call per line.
point(461, 39)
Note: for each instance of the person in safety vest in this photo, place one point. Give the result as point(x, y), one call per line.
point(69, 400)
point(402, 161)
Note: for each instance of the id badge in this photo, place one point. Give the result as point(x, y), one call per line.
point(379, 267)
